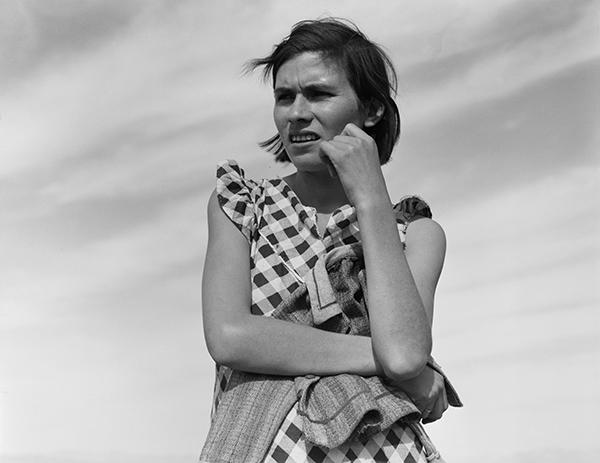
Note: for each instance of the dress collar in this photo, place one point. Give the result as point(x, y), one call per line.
point(340, 217)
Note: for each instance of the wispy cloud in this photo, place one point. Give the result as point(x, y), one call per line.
point(488, 52)
point(545, 127)
point(39, 34)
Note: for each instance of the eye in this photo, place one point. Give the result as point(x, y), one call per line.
point(319, 94)
point(283, 97)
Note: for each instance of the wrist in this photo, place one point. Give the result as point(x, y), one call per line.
point(380, 204)
point(376, 216)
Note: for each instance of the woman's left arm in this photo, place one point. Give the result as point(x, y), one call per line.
point(401, 283)
point(402, 286)
point(425, 252)
point(424, 257)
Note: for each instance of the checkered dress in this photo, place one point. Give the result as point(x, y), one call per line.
point(284, 245)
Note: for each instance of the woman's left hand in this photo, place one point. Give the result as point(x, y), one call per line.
point(428, 393)
point(353, 156)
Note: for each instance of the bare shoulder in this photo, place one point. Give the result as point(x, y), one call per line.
point(220, 228)
point(426, 248)
point(216, 216)
point(213, 203)
point(425, 253)
point(426, 233)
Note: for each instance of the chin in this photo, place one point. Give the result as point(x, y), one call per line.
point(302, 156)
point(306, 164)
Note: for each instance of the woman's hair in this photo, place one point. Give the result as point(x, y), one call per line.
point(368, 69)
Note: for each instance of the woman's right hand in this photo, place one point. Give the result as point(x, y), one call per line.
point(428, 392)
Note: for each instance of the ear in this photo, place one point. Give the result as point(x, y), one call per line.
point(374, 110)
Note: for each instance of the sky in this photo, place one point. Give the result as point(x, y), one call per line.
point(113, 115)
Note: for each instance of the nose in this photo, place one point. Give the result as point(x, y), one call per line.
point(300, 109)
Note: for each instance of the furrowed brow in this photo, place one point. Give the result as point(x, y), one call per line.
point(282, 90)
point(312, 87)
point(319, 86)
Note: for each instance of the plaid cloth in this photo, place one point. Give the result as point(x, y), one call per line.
point(284, 245)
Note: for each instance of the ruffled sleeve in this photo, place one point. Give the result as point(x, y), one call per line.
point(234, 193)
point(409, 209)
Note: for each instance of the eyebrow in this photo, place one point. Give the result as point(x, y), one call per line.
point(310, 87)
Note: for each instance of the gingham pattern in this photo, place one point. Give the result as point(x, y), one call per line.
point(396, 445)
point(284, 246)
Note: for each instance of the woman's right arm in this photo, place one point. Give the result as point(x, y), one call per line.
point(243, 341)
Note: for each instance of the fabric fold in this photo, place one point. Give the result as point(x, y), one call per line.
point(345, 407)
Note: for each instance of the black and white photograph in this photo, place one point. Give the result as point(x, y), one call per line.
point(321, 231)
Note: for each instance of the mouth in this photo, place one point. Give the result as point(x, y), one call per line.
point(303, 138)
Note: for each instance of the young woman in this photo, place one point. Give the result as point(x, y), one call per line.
point(337, 123)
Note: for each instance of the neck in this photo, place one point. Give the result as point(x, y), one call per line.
point(318, 190)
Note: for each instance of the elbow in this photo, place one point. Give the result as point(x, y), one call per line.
point(407, 369)
point(403, 367)
point(222, 344)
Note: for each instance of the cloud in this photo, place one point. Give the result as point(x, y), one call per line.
point(517, 303)
point(545, 127)
point(111, 330)
point(108, 138)
point(39, 33)
point(509, 31)
point(493, 56)
point(67, 262)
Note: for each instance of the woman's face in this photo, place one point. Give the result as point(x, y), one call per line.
point(313, 102)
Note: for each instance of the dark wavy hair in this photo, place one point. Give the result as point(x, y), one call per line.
point(368, 69)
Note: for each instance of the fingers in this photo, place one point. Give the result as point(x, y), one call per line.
point(332, 172)
point(339, 145)
point(434, 412)
point(425, 413)
point(327, 161)
point(332, 153)
point(352, 156)
point(349, 148)
point(354, 131)
point(350, 136)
